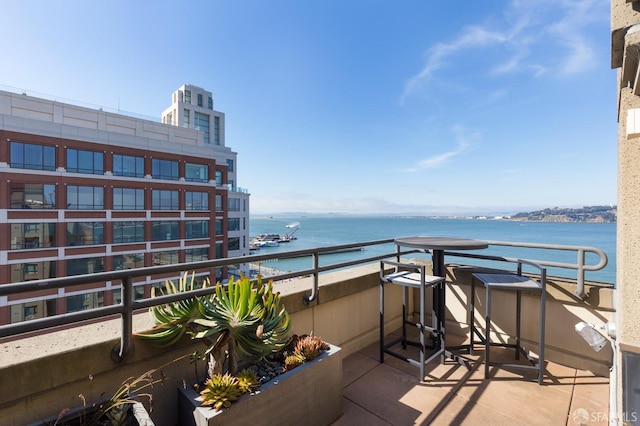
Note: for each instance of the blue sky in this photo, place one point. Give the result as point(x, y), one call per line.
point(355, 106)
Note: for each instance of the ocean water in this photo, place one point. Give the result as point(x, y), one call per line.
point(329, 230)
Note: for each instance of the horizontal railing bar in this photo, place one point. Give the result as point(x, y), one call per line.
point(513, 259)
point(55, 283)
point(58, 320)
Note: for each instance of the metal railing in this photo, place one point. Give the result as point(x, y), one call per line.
point(580, 266)
point(128, 305)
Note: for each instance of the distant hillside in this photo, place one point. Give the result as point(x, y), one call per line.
point(601, 214)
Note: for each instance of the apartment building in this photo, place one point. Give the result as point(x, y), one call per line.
point(84, 190)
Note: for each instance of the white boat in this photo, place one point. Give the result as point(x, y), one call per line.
point(260, 244)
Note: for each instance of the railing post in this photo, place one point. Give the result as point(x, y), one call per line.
point(121, 350)
point(316, 275)
point(580, 293)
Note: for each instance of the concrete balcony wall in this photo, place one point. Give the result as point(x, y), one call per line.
point(42, 375)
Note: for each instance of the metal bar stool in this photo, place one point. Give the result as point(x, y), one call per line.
point(413, 276)
point(510, 282)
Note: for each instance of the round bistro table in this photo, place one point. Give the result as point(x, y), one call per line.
point(437, 246)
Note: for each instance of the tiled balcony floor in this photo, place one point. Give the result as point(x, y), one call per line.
point(391, 394)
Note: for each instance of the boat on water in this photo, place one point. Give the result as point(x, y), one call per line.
point(272, 239)
point(268, 237)
point(270, 243)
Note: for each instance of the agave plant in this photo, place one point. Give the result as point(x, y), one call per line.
point(173, 319)
point(244, 316)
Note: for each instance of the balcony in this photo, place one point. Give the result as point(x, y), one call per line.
point(49, 370)
point(390, 393)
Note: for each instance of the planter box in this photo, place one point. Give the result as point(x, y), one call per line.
point(311, 392)
point(137, 416)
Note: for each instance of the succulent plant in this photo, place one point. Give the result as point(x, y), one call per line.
point(247, 315)
point(309, 347)
point(293, 361)
point(220, 391)
point(173, 319)
point(248, 380)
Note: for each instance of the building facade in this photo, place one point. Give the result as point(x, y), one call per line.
point(625, 56)
point(84, 190)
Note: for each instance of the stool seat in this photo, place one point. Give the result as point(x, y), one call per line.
point(411, 279)
point(409, 275)
point(510, 282)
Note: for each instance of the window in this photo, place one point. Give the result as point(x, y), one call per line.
point(128, 199)
point(219, 230)
point(164, 230)
point(85, 197)
point(128, 165)
point(32, 235)
point(202, 124)
point(128, 232)
point(209, 102)
point(234, 224)
point(196, 254)
point(199, 99)
point(234, 204)
point(32, 271)
point(85, 233)
point(219, 248)
point(218, 178)
point(138, 293)
point(230, 165)
point(164, 200)
point(164, 169)
point(82, 266)
point(216, 130)
point(80, 161)
point(128, 261)
point(186, 119)
point(165, 257)
point(32, 156)
point(30, 312)
point(197, 200)
point(187, 96)
point(83, 302)
point(32, 196)
point(197, 229)
point(218, 202)
point(234, 244)
point(196, 172)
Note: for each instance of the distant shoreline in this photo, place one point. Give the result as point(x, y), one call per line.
point(588, 214)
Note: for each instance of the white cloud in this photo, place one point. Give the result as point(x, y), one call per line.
point(471, 37)
point(464, 141)
point(531, 36)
